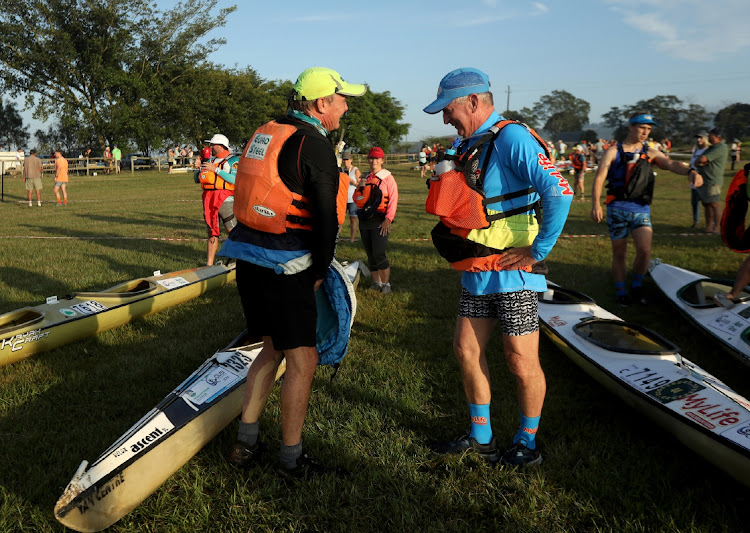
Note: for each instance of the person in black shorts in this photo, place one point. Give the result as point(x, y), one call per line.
point(279, 272)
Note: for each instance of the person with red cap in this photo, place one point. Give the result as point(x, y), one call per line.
point(377, 199)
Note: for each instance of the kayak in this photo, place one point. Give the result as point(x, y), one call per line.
point(58, 321)
point(693, 294)
point(160, 443)
point(648, 373)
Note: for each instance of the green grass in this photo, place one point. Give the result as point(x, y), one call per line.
point(606, 467)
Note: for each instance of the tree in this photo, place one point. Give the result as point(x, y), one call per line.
point(12, 130)
point(373, 120)
point(734, 120)
point(207, 99)
point(561, 111)
point(675, 121)
point(525, 115)
point(97, 62)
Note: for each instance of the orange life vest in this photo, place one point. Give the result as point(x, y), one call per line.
point(262, 201)
point(458, 198)
point(370, 198)
point(576, 161)
point(211, 181)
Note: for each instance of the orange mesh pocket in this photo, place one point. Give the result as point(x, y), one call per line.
point(457, 204)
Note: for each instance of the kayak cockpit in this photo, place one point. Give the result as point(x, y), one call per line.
point(619, 336)
point(700, 293)
point(560, 295)
point(19, 319)
point(136, 287)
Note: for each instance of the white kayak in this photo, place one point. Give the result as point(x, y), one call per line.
point(160, 443)
point(693, 294)
point(648, 373)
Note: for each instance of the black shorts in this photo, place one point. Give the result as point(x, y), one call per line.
point(279, 306)
point(516, 311)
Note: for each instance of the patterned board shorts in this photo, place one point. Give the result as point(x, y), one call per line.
point(516, 311)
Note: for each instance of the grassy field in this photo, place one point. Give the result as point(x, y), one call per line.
point(606, 468)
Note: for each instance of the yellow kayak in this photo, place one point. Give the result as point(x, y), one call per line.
point(32, 330)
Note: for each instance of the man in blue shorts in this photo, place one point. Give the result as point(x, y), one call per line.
point(630, 215)
point(504, 290)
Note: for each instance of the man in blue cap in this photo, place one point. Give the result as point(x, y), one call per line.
point(630, 213)
point(516, 168)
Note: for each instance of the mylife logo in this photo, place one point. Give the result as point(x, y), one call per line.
point(479, 420)
point(264, 211)
point(530, 431)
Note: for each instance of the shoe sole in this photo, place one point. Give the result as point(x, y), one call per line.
point(535, 462)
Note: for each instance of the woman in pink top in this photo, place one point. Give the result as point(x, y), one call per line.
point(374, 229)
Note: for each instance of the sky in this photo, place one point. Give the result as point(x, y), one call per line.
point(607, 52)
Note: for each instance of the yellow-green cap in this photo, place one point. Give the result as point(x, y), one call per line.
point(317, 82)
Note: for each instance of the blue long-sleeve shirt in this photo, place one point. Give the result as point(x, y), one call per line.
point(517, 162)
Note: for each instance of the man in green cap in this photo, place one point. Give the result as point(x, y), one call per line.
point(286, 207)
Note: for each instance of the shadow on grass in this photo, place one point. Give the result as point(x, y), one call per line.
point(98, 388)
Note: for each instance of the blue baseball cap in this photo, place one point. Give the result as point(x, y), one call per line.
point(645, 118)
point(457, 83)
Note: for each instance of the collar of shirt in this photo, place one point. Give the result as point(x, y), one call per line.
point(310, 120)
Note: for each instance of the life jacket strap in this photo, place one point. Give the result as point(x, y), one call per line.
point(508, 196)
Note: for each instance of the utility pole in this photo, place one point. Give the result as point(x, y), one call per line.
point(507, 105)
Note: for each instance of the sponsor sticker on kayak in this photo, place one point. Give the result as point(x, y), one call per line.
point(643, 378)
point(144, 438)
point(739, 434)
point(16, 342)
point(730, 323)
point(89, 308)
point(216, 381)
point(173, 283)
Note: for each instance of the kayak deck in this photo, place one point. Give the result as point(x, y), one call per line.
point(700, 293)
point(624, 337)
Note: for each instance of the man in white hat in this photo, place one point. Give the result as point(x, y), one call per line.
point(216, 178)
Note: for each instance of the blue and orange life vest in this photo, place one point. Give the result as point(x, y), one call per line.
point(469, 235)
point(211, 181)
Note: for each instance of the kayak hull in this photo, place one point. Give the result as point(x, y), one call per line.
point(678, 396)
point(33, 330)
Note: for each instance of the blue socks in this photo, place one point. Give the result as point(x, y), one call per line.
point(620, 288)
point(637, 279)
point(527, 431)
point(481, 430)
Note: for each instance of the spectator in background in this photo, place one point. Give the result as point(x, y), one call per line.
point(351, 208)
point(170, 159)
point(700, 146)
point(107, 155)
point(117, 156)
point(711, 164)
point(375, 223)
point(599, 151)
point(32, 176)
point(735, 153)
point(424, 164)
point(61, 178)
point(578, 160)
point(206, 153)
point(216, 178)
point(561, 148)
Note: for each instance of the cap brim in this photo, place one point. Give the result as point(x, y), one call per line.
point(352, 89)
point(437, 106)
